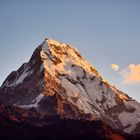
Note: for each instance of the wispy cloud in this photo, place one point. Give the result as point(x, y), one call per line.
point(131, 75)
point(115, 67)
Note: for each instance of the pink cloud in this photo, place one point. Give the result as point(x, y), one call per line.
point(131, 75)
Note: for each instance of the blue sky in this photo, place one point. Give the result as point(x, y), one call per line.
point(105, 32)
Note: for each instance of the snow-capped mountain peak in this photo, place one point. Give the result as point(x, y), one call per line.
point(57, 80)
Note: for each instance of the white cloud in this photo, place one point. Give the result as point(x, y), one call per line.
point(131, 75)
point(115, 67)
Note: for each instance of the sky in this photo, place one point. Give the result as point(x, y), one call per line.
point(106, 32)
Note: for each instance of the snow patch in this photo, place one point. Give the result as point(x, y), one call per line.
point(41, 68)
point(34, 103)
point(20, 79)
point(45, 46)
point(71, 90)
point(130, 119)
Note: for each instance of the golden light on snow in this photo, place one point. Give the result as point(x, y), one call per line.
point(115, 67)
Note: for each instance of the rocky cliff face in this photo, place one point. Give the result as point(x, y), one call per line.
point(58, 81)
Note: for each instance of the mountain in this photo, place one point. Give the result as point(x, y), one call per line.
point(58, 86)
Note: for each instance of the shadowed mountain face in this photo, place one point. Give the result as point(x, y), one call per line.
point(59, 88)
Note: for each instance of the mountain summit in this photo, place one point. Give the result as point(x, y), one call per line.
point(58, 81)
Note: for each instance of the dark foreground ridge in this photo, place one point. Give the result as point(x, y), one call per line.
point(63, 130)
